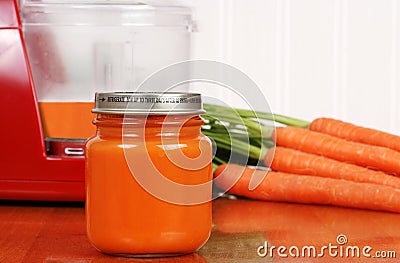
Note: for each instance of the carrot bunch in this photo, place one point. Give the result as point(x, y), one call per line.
point(326, 161)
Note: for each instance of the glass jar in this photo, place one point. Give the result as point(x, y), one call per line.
point(148, 175)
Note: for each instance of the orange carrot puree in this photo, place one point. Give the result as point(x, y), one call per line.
point(122, 217)
point(67, 119)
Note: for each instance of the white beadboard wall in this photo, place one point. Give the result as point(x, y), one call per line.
point(337, 58)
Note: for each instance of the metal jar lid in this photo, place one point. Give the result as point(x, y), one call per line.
point(144, 103)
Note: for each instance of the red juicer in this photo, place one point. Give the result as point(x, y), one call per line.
point(27, 171)
point(54, 56)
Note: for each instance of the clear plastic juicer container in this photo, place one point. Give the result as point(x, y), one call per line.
point(77, 48)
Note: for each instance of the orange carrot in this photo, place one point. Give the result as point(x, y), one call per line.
point(370, 156)
point(288, 160)
point(278, 186)
point(355, 133)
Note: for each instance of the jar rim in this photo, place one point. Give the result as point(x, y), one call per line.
point(146, 103)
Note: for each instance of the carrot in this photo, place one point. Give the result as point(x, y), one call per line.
point(292, 161)
point(370, 156)
point(284, 187)
point(355, 133)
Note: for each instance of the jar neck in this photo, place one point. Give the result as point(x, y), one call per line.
point(119, 125)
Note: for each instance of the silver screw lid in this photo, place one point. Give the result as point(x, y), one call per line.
point(144, 103)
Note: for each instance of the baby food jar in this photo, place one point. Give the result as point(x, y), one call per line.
point(148, 175)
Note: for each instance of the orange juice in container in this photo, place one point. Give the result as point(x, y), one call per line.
point(148, 175)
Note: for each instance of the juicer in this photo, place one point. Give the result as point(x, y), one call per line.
point(54, 56)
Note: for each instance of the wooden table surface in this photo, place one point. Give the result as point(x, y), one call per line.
point(55, 232)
